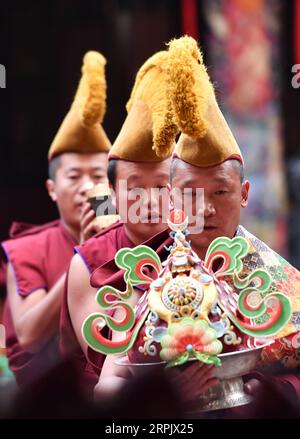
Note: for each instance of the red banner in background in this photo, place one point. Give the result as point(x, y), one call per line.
point(189, 18)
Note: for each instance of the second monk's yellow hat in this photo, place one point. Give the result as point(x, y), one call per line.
point(149, 131)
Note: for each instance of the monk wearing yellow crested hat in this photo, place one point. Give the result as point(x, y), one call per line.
point(207, 157)
point(139, 163)
point(38, 256)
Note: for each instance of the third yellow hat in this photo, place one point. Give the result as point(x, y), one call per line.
point(206, 138)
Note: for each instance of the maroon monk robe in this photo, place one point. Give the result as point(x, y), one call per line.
point(95, 252)
point(98, 255)
point(39, 256)
point(2, 274)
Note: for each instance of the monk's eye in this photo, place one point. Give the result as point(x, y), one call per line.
point(73, 177)
point(221, 192)
point(98, 177)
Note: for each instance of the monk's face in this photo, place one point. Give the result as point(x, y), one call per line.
point(143, 201)
point(73, 177)
point(222, 198)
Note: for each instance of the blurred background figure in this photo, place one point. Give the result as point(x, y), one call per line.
point(38, 256)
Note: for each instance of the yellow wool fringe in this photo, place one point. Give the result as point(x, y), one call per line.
point(188, 86)
point(150, 87)
point(91, 93)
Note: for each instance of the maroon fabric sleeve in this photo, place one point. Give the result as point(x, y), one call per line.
point(25, 263)
point(101, 247)
point(70, 349)
point(290, 385)
point(39, 255)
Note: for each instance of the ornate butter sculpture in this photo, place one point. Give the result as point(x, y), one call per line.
point(190, 310)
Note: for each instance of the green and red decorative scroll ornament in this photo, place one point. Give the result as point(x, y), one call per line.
point(192, 309)
point(132, 262)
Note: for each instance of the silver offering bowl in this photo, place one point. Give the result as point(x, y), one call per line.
point(230, 391)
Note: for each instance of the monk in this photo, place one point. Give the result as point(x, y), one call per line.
point(140, 159)
point(207, 156)
point(38, 256)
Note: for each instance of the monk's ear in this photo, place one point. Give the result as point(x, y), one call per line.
point(113, 196)
point(245, 193)
point(50, 186)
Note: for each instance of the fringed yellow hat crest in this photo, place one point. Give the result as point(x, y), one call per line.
point(81, 130)
point(149, 131)
point(206, 139)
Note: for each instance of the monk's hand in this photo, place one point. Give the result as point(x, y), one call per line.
point(87, 227)
point(193, 380)
point(253, 387)
point(107, 388)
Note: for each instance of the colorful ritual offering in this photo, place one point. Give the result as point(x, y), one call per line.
point(191, 310)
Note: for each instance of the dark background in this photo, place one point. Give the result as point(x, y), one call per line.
point(41, 47)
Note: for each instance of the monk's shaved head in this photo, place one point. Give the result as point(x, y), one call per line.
point(180, 164)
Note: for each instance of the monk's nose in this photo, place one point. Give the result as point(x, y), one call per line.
point(85, 186)
point(209, 209)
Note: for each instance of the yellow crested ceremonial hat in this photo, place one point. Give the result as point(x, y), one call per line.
point(81, 129)
point(148, 133)
point(206, 138)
